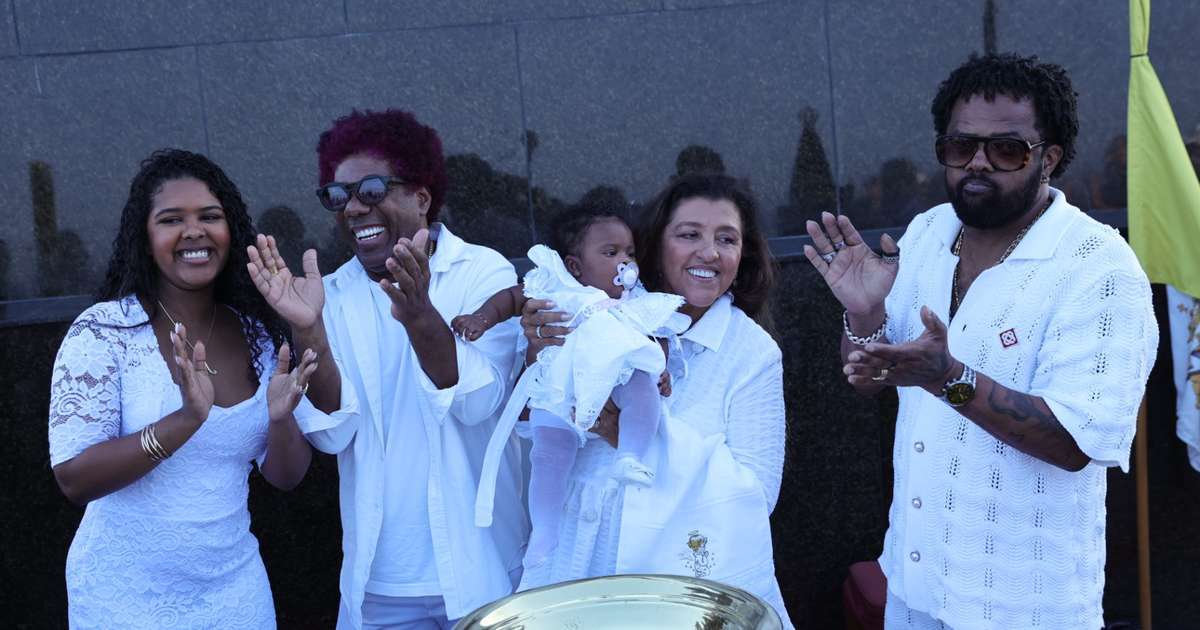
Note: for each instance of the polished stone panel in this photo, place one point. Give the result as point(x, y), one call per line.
point(888, 59)
point(375, 15)
point(1093, 47)
point(700, 4)
point(267, 104)
point(8, 32)
point(74, 131)
point(57, 26)
point(615, 101)
point(1176, 56)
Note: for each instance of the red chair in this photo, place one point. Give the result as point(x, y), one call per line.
point(863, 596)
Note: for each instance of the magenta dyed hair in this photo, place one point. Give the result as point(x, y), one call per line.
point(413, 150)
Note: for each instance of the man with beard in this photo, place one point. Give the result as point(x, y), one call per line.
point(1011, 411)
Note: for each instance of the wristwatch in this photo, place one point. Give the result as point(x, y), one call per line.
point(960, 391)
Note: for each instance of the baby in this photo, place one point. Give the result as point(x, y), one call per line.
point(609, 354)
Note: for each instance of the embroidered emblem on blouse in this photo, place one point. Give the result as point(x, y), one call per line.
point(1009, 338)
point(698, 559)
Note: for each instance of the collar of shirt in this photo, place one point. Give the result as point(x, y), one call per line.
point(1039, 243)
point(710, 330)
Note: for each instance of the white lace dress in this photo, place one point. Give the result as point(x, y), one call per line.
point(174, 548)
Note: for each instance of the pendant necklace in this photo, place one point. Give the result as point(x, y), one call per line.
point(175, 325)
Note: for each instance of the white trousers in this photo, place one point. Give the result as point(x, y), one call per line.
point(380, 612)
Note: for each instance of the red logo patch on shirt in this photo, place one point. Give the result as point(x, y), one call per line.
point(1008, 338)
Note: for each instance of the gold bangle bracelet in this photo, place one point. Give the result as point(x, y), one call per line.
point(150, 444)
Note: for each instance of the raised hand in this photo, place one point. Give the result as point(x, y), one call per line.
point(297, 299)
point(859, 278)
point(286, 387)
point(191, 373)
point(408, 289)
point(469, 327)
point(924, 362)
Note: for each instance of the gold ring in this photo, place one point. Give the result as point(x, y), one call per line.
point(883, 372)
point(305, 390)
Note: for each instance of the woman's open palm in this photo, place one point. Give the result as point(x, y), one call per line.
point(297, 299)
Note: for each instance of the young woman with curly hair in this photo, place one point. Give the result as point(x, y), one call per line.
point(163, 393)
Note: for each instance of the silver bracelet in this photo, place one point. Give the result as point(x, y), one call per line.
point(862, 341)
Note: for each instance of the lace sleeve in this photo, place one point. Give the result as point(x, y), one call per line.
point(85, 389)
point(757, 427)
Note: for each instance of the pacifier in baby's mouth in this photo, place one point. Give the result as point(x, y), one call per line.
point(627, 275)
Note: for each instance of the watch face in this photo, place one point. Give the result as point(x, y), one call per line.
point(960, 394)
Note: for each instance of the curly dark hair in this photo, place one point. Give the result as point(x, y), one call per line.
point(756, 274)
point(413, 150)
point(568, 228)
point(1045, 84)
point(131, 269)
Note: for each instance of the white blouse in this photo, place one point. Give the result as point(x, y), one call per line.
point(727, 380)
point(980, 534)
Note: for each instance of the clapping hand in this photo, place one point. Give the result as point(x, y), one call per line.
point(923, 362)
point(286, 387)
point(195, 384)
point(297, 299)
point(859, 278)
point(408, 288)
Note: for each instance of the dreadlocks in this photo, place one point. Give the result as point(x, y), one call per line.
point(1045, 84)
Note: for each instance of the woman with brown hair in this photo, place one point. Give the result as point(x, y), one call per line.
point(719, 451)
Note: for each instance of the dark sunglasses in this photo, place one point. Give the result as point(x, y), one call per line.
point(1005, 154)
point(370, 191)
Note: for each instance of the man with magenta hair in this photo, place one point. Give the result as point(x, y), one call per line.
point(411, 406)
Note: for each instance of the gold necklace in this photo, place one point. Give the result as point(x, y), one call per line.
point(955, 298)
point(175, 325)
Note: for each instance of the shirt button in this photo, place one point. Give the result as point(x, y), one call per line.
point(915, 556)
point(589, 516)
point(916, 502)
point(919, 447)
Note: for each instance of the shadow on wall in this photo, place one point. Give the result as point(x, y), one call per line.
point(503, 211)
point(63, 264)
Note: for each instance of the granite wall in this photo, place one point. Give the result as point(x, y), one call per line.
point(821, 104)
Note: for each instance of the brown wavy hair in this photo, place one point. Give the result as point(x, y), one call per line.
point(755, 278)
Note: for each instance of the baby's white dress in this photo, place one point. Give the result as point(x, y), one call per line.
point(612, 338)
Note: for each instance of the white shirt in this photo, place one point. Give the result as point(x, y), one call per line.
point(727, 387)
point(404, 565)
point(982, 535)
point(473, 563)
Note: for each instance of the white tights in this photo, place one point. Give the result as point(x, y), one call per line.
point(553, 455)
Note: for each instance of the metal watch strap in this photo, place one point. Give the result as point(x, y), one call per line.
point(966, 378)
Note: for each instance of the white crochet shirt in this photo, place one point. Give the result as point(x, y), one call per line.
point(980, 534)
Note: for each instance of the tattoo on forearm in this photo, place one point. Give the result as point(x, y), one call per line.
point(1051, 441)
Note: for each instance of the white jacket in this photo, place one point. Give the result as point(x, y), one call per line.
point(473, 563)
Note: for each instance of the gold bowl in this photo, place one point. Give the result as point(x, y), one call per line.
point(630, 602)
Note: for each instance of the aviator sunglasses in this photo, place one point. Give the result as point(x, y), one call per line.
point(370, 191)
point(1005, 154)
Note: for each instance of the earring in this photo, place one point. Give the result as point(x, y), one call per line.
point(1045, 178)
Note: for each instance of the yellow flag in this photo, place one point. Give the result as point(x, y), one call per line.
point(1164, 194)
